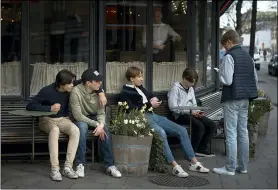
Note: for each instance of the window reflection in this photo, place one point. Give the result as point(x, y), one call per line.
point(169, 43)
point(59, 39)
point(11, 49)
point(125, 22)
point(203, 47)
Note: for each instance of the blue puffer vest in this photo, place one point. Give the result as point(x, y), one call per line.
point(244, 84)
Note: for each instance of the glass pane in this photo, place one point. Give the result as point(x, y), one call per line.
point(125, 25)
point(59, 39)
point(210, 70)
point(11, 75)
point(169, 43)
point(201, 44)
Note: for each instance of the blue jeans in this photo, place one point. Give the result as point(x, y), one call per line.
point(106, 146)
point(235, 125)
point(162, 125)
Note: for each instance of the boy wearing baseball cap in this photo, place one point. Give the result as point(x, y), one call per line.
point(87, 112)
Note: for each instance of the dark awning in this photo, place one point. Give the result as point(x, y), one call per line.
point(224, 5)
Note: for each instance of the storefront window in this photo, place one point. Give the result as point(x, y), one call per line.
point(210, 70)
point(169, 43)
point(59, 39)
point(125, 23)
point(11, 71)
point(204, 40)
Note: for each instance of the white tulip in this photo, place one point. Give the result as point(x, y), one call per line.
point(126, 121)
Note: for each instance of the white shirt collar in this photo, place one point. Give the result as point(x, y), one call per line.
point(130, 85)
point(161, 24)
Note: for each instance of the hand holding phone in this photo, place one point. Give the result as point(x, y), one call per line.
point(155, 102)
point(201, 112)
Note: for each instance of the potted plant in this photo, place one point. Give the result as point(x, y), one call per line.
point(257, 109)
point(267, 107)
point(132, 140)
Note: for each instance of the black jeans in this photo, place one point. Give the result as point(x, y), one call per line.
point(202, 130)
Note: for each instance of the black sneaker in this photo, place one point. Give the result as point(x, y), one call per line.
point(204, 153)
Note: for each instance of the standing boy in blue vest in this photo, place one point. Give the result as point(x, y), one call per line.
point(239, 78)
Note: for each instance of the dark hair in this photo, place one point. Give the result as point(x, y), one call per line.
point(64, 77)
point(189, 74)
point(231, 35)
point(196, 76)
point(132, 72)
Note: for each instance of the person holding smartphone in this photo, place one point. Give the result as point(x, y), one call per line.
point(138, 97)
point(203, 128)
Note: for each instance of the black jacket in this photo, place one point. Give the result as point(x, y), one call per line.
point(133, 98)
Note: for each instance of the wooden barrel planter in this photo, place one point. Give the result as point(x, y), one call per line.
point(132, 154)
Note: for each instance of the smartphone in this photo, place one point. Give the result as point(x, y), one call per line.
point(201, 112)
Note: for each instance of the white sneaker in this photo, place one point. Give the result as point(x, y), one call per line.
point(241, 171)
point(56, 175)
point(198, 167)
point(68, 172)
point(223, 171)
point(80, 170)
point(178, 171)
point(113, 171)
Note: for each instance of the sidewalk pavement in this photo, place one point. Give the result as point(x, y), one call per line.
point(262, 171)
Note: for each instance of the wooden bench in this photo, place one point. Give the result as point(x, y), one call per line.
point(18, 129)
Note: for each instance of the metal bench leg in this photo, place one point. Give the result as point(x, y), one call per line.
point(33, 139)
point(93, 151)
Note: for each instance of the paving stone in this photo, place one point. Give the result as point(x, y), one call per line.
point(230, 185)
point(272, 183)
point(268, 172)
point(131, 187)
point(132, 181)
point(247, 183)
point(115, 186)
point(3, 180)
point(22, 181)
point(106, 179)
point(9, 186)
point(50, 184)
point(209, 186)
point(227, 179)
point(88, 185)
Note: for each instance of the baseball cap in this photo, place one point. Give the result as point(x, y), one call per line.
point(91, 75)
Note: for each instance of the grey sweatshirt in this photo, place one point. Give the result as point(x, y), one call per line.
point(177, 96)
point(84, 104)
